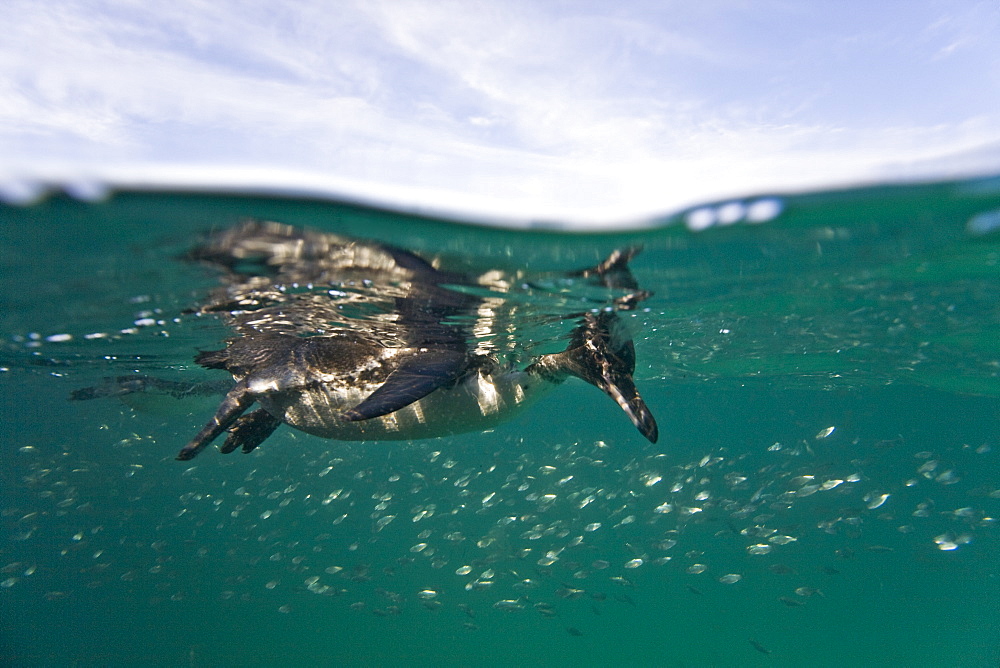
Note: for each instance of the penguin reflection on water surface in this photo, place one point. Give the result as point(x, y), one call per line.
point(356, 340)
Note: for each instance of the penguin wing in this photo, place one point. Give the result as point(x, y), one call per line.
point(411, 381)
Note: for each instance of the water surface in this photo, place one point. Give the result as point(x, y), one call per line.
point(825, 370)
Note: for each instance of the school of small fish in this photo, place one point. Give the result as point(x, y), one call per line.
point(561, 531)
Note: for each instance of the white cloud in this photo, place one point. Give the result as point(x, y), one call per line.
point(519, 108)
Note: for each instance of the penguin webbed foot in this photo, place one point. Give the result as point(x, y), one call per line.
point(237, 401)
point(249, 431)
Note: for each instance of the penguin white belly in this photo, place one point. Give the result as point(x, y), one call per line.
point(479, 402)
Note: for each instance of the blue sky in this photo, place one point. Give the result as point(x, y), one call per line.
point(582, 110)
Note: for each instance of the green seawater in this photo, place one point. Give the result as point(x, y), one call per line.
point(825, 490)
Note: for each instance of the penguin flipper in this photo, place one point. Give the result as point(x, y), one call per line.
point(412, 380)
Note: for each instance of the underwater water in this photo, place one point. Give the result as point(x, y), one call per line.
point(824, 369)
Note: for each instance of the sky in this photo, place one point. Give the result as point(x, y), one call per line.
point(587, 111)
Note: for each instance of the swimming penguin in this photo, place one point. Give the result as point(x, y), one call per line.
point(356, 340)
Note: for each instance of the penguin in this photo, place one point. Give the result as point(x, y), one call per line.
point(357, 340)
